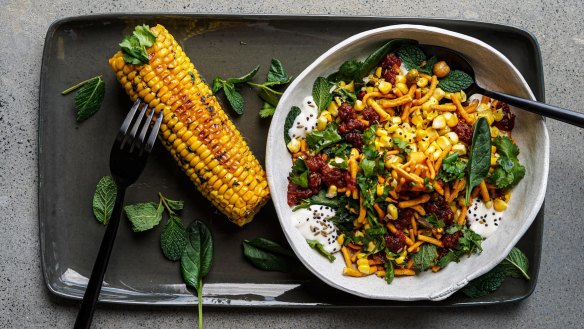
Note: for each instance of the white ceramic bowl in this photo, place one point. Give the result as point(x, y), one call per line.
point(493, 71)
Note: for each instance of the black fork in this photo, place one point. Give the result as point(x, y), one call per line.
point(127, 161)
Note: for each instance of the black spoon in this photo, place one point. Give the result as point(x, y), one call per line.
point(458, 62)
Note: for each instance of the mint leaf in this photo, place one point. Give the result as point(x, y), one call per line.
point(144, 216)
point(104, 199)
point(173, 239)
point(144, 36)
point(218, 83)
point(348, 71)
point(235, 99)
point(277, 74)
point(451, 256)
point(516, 264)
point(245, 78)
point(267, 110)
point(289, 122)
point(479, 160)
point(453, 168)
point(470, 242)
point(411, 56)
point(485, 284)
point(175, 205)
point(455, 81)
point(434, 221)
point(424, 257)
point(321, 93)
point(376, 56)
point(509, 171)
point(314, 244)
point(318, 140)
point(269, 95)
point(89, 97)
point(428, 67)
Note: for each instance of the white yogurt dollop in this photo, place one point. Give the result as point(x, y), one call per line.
point(314, 224)
point(305, 122)
point(482, 220)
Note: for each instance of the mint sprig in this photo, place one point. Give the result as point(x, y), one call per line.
point(89, 97)
point(134, 45)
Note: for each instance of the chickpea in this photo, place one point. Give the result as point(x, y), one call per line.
point(441, 69)
point(412, 76)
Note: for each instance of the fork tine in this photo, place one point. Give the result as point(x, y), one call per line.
point(153, 133)
point(145, 127)
point(128, 120)
point(138, 122)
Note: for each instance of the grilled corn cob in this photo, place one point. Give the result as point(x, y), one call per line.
point(195, 129)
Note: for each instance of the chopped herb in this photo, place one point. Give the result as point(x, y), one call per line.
point(134, 46)
point(453, 168)
point(299, 174)
point(320, 248)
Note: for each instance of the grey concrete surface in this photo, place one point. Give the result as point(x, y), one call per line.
point(556, 302)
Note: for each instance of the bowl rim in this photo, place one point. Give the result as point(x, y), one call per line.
point(487, 266)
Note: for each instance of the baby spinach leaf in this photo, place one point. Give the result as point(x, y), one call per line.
point(104, 199)
point(424, 257)
point(173, 239)
point(89, 97)
point(486, 283)
point(197, 259)
point(376, 56)
point(320, 248)
point(480, 155)
point(144, 216)
point(455, 81)
point(348, 71)
point(271, 246)
point(289, 122)
point(265, 259)
point(516, 264)
point(321, 93)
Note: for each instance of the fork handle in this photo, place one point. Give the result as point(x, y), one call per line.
point(85, 314)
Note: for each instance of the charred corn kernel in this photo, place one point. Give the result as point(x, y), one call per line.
point(459, 148)
point(498, 115)
point(443, 142)
point(453, 137)
point(321, 123)
point(494, 131)
point(378, 72)
point(341, 239)
point(439, 122)
point(333, 109)
point(385, 141)
point(416, 157)
point(326, 114)
point(423, 145)
point(417, 120)
point(380, 132)
point(487, 115)
point(402, 87)
point(294, 145)
point(359, 105)
point(384, 87)
point(499, 205)
point(422, 82)
point(392, 211)
point(188, 103)
point(438, 94)
point(451, 119)
point(331, 192)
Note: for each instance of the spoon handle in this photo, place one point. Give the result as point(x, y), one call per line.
point(550, 111)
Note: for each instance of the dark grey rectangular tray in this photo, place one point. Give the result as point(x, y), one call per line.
point(73, 156)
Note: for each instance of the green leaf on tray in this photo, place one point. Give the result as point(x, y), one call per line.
point(234, 98)
point(266, 256)
point(277, 74)
point(267, 110)
point(485, 284)
point(144, 216)
point(271, 246)
point(479, 160)
point(455, 81)
point(197, 259)
point(245, 78)
point(314, 244)
point(516, 264)
point(289, 122)
point(175, 205)
point(104, 199)
point(88, 98)
point(173, 239)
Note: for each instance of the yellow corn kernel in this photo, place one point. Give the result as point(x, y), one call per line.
point(487, 115)
point(498, 115)
point(364, 269)
point(362, 256)
point(438, 94)
point(350, 87)
point(436, 154)
point(494, 131)
point(427, 106)
point(489, 204)
point(431, 149)
point(443, 142)
point(359, 105)
point(378, 72)
point(392, 211)
point(359, 234)
point(384, 87)
point(331, 192)
point(417, 120)
point(326, 114)
point(451, 119)
point(482, 107)
point(396, 120)
point(321, 123)
point(416, 157)
point(294, 145)
point(459, 148)
point(354, 153)
point(400, 78)
point(402, 87)
point(341, 239)
point(453, 137)
point(423, 145)
point(422, 82)
point(379, 189)
point(370, 89)
point(333, 109)
point(439, 122)
point(461, 96)
point(380, 132)
point(499, 205)
point(371, 246)
point(385, 141)
point(493, 160)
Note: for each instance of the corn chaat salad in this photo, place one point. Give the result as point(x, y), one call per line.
point(395, 168)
